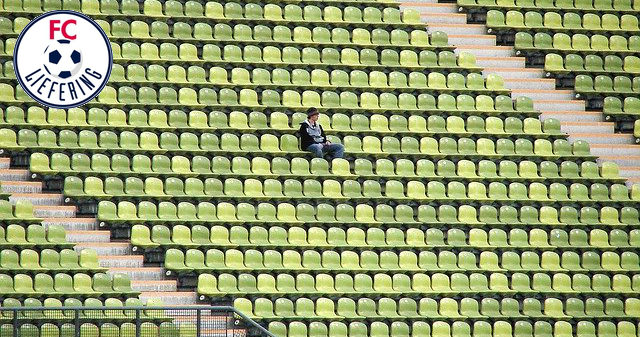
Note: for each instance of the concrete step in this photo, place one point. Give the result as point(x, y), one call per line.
point(88, 236)
point(589, 127)
point(434, 18)
point(559, 105)
point(621, 160)
point(542, 94)
point(21, 186)
point(496, 62)
point(72, 223)
point(54, 211)
point(486, 51)
point(430, 8)
point(106, 248)
point(171, 297)
point(600, 138)
point(140, 274)
point(605, 150)
point(6, 162)
point(530, 83)
point(154, 286)
point(14, 175)
point(514, 73)
point(458, 29)
point(472, 40)
point(632, 181)
point(121, 261)
point(43, 199)
point(630, 171)
point(573, 116)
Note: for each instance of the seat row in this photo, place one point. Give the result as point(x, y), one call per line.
point(597, 6)
point(370, 102)
point(348, 190)
point(19, 213)
point(496, 285)
point(410, 261)
point(280, 34)
point(196, 120)
point(225, 284)
point(499, 328)
point(427, 60)
point(615, 106)
point(235, 11)
point(283, 78)
point(201, 31)
point(191, 144)
point(15, 236)
point(328, 14)
point(335, 237)
point(128, 213)
point(606, 85)
point(94, 309)
point(61, 284)
point(131, 7)
point(147, 141)
point(56, 302)
point(259, 167)
point(249, 99)
point(466, 147)
point(591, 64)
point(569, 21)
point(280, 77)
point(561, 42)
point(49, 260)
point(128, 7)
point(100, 329)
point(346, 58)
point(430, 309)
point(221, 53)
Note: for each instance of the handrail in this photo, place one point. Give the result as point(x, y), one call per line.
point(252, 322)
point(137, 309)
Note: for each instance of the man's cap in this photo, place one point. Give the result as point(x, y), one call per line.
point(312, 111)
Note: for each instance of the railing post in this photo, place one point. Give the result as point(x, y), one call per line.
point(77, 322)
point(15, 323)
point(138, 322)
point(198, 322)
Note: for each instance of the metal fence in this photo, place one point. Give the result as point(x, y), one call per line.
point(102, 321)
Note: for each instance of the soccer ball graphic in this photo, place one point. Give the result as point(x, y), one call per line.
point(62, 60)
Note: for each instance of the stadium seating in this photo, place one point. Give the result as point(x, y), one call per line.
point(455, 212)
point(616, 7)
point(588, 43)
point(38, 267)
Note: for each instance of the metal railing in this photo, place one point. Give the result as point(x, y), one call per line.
point(107, 321)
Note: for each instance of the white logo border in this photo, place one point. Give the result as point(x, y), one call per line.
point(47, 14)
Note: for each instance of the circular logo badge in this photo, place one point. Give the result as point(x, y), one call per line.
point(62, 59)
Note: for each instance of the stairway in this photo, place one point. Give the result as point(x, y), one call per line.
point(531, 82)
point(117, 256)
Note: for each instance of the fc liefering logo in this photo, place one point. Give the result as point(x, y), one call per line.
point(62, 59)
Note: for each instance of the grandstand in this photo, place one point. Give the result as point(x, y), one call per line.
point(487, 188)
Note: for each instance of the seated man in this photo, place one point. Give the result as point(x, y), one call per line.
point(313, 139)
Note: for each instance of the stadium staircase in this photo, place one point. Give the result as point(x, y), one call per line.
point(532, 82)
point(445, 218)
point(117, 256)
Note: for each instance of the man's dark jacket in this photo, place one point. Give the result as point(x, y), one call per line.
point(311, 135)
